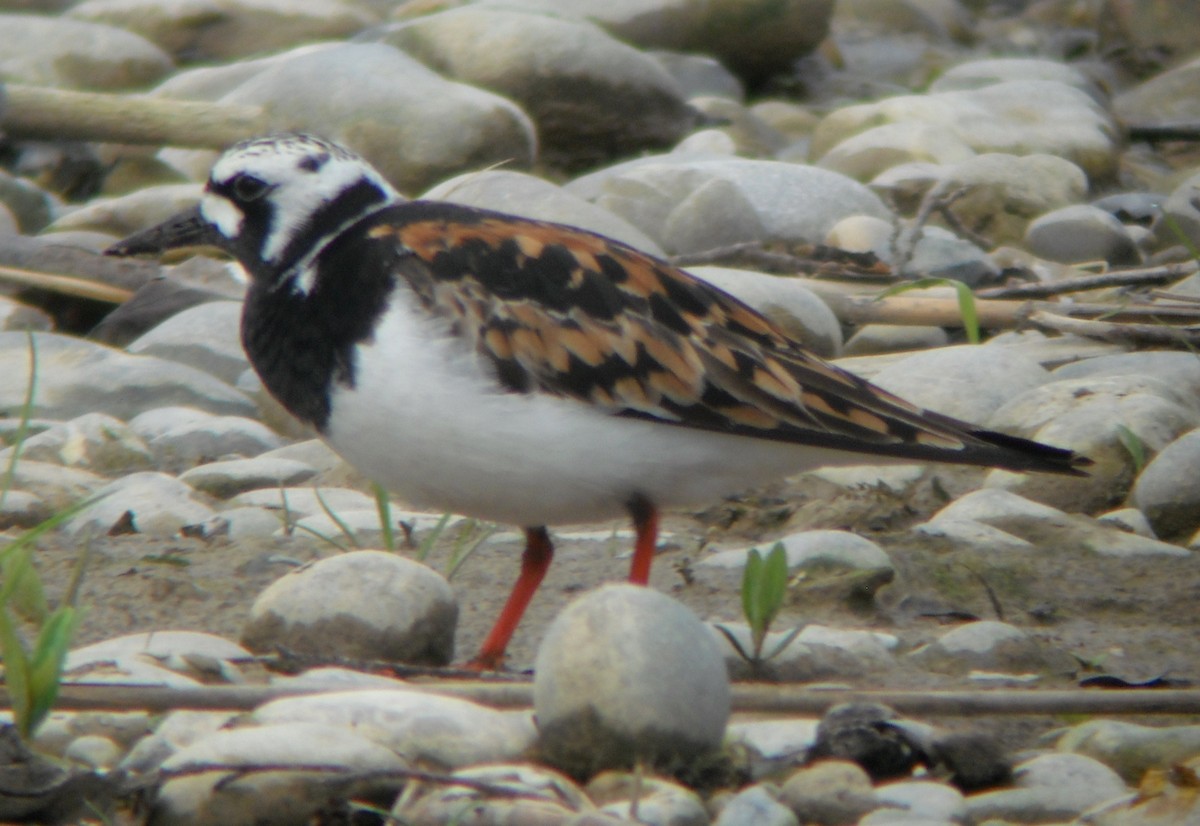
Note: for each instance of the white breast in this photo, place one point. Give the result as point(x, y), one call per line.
point(427, 420)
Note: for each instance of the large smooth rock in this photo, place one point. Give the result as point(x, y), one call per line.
point(77, 377)
point(313, 764)
point(366, 605)
point(526, 195)
point(591, 95)
point(1166, 489)
point(55, 51)
point(214, 30)
point(413, 125)
point(626, 673)
point(691, 204)
point(207, 337)
point(422, 728)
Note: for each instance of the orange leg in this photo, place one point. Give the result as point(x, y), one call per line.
point(645, 523)
point(534, 564)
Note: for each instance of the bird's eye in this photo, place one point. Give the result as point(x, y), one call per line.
point(247, 188)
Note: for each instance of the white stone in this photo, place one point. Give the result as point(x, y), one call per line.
point(626, 672)
point(160, 505)
point(366, 605)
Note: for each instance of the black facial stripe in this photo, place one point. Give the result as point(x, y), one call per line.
point(329, 219)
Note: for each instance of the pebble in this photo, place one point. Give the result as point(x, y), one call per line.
point(413, 125)
point(522, 194)
point(236, 28)
point(285, 795)
point(1165, 492)
point(64, 53)
point(174, 658)
point(814, 549)
point(304, 502)
point(1080, 233)
point(149, 503)
point(1092, 416)
point(204, 440)
point(693, 205)
point(207, 337)
point(523, 793)
point(233, 476)
point(362, 605)
point(93, 752)
point(626, 673)
point(177, 730)
point(77, 377)
point(773, 745)
point(590, 93)
point(758, 804)
point(94, 441)
point(1130, 749)
point(967, 382)
point(829, 793)
point(994, 646)
point(652, 801)
point(125, 214)
point(1050, 787)
point(801, 313)
point(424, 729)
point(914, 801)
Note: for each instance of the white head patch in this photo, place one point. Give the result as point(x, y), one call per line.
point(302, 173)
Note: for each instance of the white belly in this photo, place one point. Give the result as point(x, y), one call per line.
point(427, 421)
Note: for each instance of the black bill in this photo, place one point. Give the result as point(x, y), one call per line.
point(187, 229)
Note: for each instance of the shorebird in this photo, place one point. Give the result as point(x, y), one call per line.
point(528, 372)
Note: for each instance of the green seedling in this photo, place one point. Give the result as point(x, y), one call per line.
point(432, 537)
point(966, 301)
point(764, 588)
point(384, 506)
point(337, 520)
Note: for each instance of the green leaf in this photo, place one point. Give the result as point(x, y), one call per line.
point(22, 588)
point(23, 426)
point(774, 583)
point(337, 520)
point(45, 668)
point(751, 576)
point(966, 301)
point(384, 506)
point(16, 673)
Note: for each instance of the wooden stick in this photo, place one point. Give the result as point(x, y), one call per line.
point(1157, 335)
point(747, 697)
point(40, 113)
point(65, 284)
point(1120, 278)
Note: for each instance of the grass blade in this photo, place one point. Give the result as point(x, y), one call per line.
point(10, 472)
point(384, 506)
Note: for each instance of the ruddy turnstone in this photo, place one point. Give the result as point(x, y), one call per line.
point(528, 372)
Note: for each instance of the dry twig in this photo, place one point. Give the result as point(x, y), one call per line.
point(1153, 335)
point(1121, 278)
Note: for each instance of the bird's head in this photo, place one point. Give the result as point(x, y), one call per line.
point(272, 203)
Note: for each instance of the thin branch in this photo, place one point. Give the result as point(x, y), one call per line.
point(65, 285)
point(1122, 278)
point(1158, 335)
point(781, 698)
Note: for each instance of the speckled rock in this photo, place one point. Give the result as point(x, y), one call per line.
point(626, 673)
point(366, 605)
